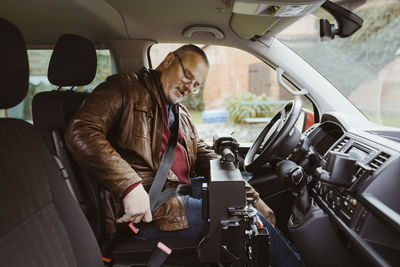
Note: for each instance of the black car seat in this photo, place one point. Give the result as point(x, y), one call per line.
point(40, 223)
point(73, 63)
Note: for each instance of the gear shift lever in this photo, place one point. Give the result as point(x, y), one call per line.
point(293, 177)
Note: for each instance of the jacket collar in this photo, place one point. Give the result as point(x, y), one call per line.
point(151, 79)
point(146, 78)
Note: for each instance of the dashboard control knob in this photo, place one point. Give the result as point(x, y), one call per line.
point(329, 197)
point(297, 176)
point(292, 175)
point(338, 202)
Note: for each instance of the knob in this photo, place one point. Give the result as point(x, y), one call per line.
point(227, 155)
point(338, 202)
point(329, 196)
point(297, 176)
point(353, 202)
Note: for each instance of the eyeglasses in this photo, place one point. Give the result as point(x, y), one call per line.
point(195, 84)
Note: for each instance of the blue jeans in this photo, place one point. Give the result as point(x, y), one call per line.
point(196, 228)
point(281, 252)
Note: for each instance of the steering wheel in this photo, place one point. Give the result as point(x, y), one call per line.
point(277, 140)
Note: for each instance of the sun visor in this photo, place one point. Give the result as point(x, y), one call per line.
point(253, 18)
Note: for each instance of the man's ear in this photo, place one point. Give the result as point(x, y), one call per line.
point(169, 59)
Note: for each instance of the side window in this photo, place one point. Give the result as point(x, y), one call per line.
point(38, 82)
point(239, 97)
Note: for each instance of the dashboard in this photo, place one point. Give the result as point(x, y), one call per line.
point(354, 182)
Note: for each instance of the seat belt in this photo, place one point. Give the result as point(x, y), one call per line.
point(156, 196)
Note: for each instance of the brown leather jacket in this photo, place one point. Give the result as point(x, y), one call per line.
point(116, 136)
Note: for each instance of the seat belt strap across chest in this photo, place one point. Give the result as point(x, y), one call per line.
point(158, 197)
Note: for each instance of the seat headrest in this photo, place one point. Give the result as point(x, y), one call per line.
point(73, 62)
point(14, 67)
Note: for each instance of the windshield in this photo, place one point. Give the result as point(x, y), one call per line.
point(365, 67)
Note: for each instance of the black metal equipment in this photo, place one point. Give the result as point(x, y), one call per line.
point(228, 148)
point(235, 232)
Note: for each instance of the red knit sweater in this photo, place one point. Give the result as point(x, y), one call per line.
point(180, 165)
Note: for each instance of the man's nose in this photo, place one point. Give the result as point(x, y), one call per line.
point(189, 85)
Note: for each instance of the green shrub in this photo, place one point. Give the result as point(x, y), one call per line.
point(240, 107)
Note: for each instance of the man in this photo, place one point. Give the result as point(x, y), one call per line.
point(121, 131)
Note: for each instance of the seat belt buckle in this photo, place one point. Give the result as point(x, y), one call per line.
point(159, 255)
point(133, 228)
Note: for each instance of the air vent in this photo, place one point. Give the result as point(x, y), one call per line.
point(341, 144)
point(379, 160)
point(359, 173)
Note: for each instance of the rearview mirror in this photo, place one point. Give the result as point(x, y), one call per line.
point(348, 22)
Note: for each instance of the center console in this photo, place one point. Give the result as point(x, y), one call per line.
point(354, 217)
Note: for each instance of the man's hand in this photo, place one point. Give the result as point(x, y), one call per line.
point(266, 211)
point(136, 206)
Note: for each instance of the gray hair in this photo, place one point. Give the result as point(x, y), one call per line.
point(190, 48)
